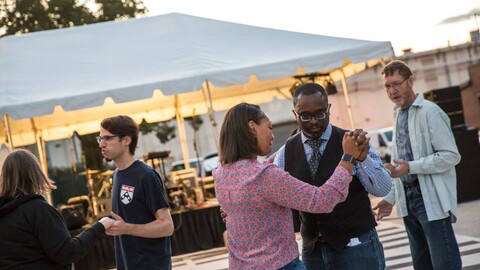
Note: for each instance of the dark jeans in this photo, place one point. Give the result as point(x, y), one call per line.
point(368, 255)
point(294, 265)
point(432, 243)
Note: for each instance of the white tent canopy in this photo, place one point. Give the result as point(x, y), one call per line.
point(55, 82)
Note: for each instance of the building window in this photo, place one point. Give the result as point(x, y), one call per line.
point(429, 61)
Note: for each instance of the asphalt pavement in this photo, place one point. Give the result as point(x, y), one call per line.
point(392, 235)
point(468, 222)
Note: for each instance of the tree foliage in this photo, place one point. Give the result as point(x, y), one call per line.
point(195, 122)
point(163, 130)
point(24, 16)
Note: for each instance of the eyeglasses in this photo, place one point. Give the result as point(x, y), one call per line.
point(394, 85)
point(105, 138)
point(306, 117)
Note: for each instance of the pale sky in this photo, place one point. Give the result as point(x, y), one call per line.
point(405, 23)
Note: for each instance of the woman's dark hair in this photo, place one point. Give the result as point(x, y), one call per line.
point(122, 126)
point(23, 175)
point(237, 140)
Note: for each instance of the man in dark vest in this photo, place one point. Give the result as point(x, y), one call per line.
point(345, 238)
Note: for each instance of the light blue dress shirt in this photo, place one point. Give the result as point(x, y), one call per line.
point(435, 155)
point(371, 172)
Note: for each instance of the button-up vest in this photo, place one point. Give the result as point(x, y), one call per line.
point(350, 218)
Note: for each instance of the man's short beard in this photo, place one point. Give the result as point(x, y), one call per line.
point(314, 135)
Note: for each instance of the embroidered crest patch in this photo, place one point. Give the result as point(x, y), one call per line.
point(126, 194)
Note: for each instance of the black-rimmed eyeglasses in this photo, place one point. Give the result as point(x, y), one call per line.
point(320, 115)
point(394, 85)
point(105, 138)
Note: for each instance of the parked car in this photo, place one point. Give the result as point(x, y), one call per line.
point(203, 165)
point(381, 140)
point(194, 163)
point(210, 162)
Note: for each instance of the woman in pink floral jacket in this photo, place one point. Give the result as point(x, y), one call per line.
point(257, 197)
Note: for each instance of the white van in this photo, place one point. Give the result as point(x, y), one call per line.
point(381, 140)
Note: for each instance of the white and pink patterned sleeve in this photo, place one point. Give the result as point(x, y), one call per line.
point(282, 188)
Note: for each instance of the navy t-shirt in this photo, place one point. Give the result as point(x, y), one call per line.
point(137, 194)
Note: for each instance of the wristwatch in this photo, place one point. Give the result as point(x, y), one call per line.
point(348, 158)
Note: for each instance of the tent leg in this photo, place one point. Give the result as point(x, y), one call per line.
point(8, 132)
point(211, 113)
point(42, 156)
point(183, 134)
point(40, 147)
point(71, 150)
point(347, 101)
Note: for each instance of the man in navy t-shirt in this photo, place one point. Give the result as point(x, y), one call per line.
point(139, 206)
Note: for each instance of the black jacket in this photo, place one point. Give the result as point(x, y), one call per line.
point(350, 218)
point(33, 235)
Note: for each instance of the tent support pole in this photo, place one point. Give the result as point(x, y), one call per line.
point(42, 155)
point(382, 62)
point(8, 132)
point(211, 113)
point(347, 100)
point(71, 150)
point(183, 134)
